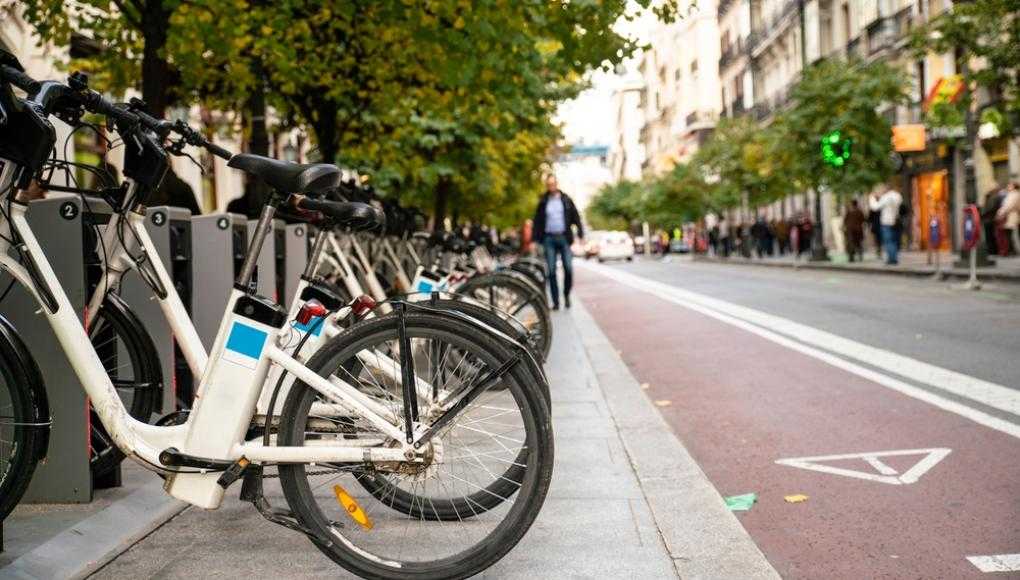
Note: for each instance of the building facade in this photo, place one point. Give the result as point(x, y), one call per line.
point(681, 97)
point(784, 36)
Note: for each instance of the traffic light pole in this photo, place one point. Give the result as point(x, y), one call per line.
point(819, 253)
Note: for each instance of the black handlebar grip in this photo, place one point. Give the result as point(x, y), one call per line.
point(159, 126)
point(97, 104)
point(19, 79)
point(217, 150)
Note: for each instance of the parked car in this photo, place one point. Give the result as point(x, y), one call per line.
point(679, 247)
point(615, 246)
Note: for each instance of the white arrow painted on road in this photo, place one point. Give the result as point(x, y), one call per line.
point(1000, 563)
point(885, 473)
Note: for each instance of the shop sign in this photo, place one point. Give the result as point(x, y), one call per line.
point(946, 90)
point(908, 137)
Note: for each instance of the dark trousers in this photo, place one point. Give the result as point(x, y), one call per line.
point(557, 244)
point(855, 245)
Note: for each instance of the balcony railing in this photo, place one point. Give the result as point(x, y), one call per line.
point(766, 107)
point(731, 52)
point(886, 32)
point(767, 28)
point(724, 7)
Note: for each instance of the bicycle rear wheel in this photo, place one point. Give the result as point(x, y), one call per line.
point(464, 472)
point(129, 356)
point(20, 431)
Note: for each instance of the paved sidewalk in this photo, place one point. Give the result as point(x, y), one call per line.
point(911, 264)
point(627, 500)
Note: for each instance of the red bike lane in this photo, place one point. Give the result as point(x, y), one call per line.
point(740, 403)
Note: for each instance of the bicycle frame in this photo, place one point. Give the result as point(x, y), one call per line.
point(230, 384)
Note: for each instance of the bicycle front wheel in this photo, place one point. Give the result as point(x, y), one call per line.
point(484, 477)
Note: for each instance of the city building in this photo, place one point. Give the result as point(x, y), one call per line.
point(681, 99)
point(626, 154)
point(781, 37)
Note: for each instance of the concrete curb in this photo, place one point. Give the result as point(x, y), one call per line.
point(704, 539)
point(84, 548)
point(913, 271)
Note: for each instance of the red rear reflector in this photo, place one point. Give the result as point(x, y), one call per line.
point(311, 309)
point(363, 304)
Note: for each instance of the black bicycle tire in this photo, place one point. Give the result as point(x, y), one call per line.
point(14, 482)
point(477, 558)
point(141, 350)
point(404, 502)
point(524, 286)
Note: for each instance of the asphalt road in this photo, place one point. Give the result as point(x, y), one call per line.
point(975, 333)
point(903, 439)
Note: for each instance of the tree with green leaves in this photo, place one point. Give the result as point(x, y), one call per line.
point(987, 33)
point(835, 96)
point(616, 206)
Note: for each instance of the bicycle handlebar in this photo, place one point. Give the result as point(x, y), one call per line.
point(19, 79)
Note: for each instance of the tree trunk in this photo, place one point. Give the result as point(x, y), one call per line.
point(156, 74)
point(442, 199)
point(256, 192)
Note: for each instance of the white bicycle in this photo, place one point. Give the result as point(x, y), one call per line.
point(417, 438)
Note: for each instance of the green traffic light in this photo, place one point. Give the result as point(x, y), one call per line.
point(835, 149)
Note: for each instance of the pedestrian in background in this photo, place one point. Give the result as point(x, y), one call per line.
point(554, 217)
point(760, 233)
point(888, 207)
point(875, 225)
point(724, 236)
point(782, 229)
point(994, 235)
point(1009, 213)
point(853, 226)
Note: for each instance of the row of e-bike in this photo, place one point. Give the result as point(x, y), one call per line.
point(399, 401)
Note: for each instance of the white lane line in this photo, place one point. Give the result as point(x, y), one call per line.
point(1000, 563)
point(754, 321)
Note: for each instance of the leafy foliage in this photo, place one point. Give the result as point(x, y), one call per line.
point(834, 95)
point(447, 104)
point(988, 32)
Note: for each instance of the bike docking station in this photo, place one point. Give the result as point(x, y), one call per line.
point(143, 301)
point(223, 240)
point(203, 254)
point(290, 243)
point(65, 477)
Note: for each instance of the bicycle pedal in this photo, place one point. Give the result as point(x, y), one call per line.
point(251, 486)
point(233, 473)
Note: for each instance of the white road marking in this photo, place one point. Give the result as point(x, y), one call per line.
point(1000, 563)
point(886, 474)
point(798, 337)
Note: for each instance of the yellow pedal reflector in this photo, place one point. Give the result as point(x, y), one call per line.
point(351, 507)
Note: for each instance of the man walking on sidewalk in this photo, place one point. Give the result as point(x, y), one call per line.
point(888, 206)
point(853, 225)
point(555, 214)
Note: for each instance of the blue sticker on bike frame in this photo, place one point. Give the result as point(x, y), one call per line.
point(246, 340)
point(313, 322)
point(425, 286)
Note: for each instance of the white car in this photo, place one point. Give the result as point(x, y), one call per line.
point(615, 246)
